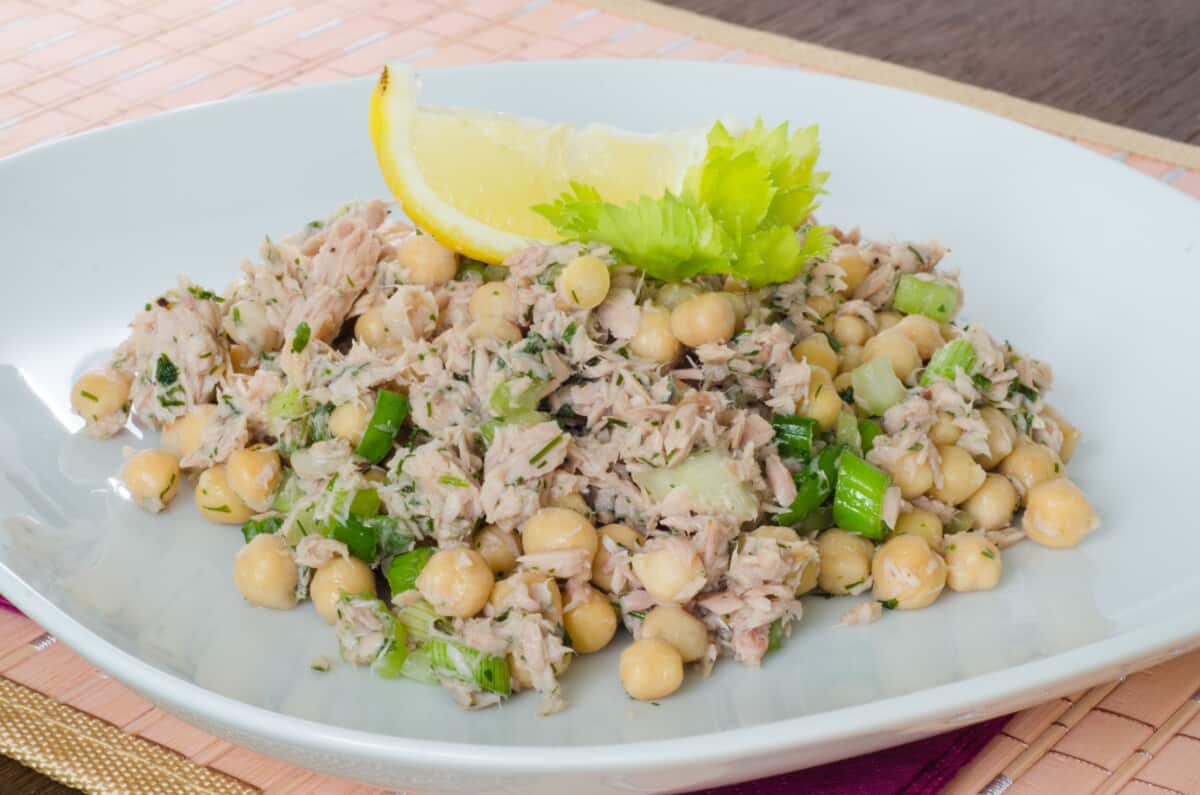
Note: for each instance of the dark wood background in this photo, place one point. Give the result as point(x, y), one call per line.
point(1134, 63)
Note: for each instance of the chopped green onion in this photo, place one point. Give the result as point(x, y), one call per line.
point(846, 431)
point(359, 537)
point(917, 296)
point(819, 519)
point(876, 387)
point(393, 535)
point(948, 360)
point(486, 671)
point(262, 526)
point(524, 418)
point(504, 404)
point(404, 569)
point(867, 431)
point(287, 404)
point(419, 619)
point(775, 636)
point(858, 500)
point(393, 655)
point(390, 410)
point(419, 667)
point(366, 502)
point(300, 340)
point(537, 458)
point(961, 522)
point(289, 492)
point(814, 484)
point(794, 435)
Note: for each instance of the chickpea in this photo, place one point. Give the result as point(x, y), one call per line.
point(705, 319)
point(1070, 433)
point(972, 563)
point(854, 267)
point(961, 475)
point(265, 572)
point(1057, 514)
point(912, 473)
point(244, 360)
point(817, 351)
point(824, 404)
point(528, 591)
point(247, 324)
point(182, 437)
point(1000, 438)
point(923, 523)
point(494, 328)
point(426, 261)
point(372, 330)
point(457, 582)
point(673, 294)
point(678, 627)
point(651, 668)
point(572, 502)
point(822, 305)
point(993, 504)
point(552, 529)
point(349, 420)
point(852, 356)
point(843, 382)
point(944, 431)
point(494, 299)
point(886, 320)
point(100, 393)
point(654, 340)
point(500, 548)
point(254, 475)
point(584, 283)
point(592, 623)
point(217, 501)
point(1029, 464)
point(925, 333)
point(845, 560)
point(741, 307)
point(623, 536)
point(899, 350)
point(152, 479)
point(907, 570)
point(339, 576)
point(672, 573)
point(851, 330)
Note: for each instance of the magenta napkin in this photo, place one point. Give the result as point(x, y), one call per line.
point(920, 768)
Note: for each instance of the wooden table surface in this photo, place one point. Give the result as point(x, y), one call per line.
point(1132, 64)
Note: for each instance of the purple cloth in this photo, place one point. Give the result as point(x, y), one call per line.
point(920, 768)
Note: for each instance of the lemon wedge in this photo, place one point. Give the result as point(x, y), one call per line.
point(470, 177)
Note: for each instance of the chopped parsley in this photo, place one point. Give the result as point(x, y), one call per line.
point(889, 604)
point(569, 332)
point(987, 553)
point(204, 295)
point(165, 371)
point(300, 341)
point(89, 396)
point(1027, 391)
point(162, 495)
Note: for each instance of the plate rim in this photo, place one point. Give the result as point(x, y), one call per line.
point(954, 704)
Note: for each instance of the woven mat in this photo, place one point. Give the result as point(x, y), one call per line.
point(68, 68)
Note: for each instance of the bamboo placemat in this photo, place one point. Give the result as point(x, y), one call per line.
point(66, 68)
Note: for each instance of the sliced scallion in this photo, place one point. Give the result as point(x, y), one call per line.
point(390, 410)
point(858, 499)
point(867, 431)
point(794, 435)
point(458, 661)
point(403, 570)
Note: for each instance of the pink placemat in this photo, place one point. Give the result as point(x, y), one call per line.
point(69, 67)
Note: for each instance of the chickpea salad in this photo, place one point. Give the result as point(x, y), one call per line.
point(677, 421)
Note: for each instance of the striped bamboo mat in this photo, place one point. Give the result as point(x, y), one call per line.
point(69, 67)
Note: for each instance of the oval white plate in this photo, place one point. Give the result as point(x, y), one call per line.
point(1071, 256)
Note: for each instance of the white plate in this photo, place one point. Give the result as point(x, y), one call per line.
point(1074, 257)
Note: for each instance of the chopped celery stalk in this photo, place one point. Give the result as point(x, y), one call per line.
point(814, 485)
point(455, 660)
point(418, 667)
point(867, 431)
point(794, 435)
point(390, 661)
point(961, 522)
point(948, 360)
point(917, 296)
point(261, 526)
point(359, 537)
point(523, 418)
point(390, 410)
point(876, 387)
point(403, 571)
point(858, 499)
point(287, 404)
point(819, 519)
point(846, 432)
point(366, 502)
point(303, 524)
point(289, 492)
point(419, 619)
point(710, 480)
point(505, 404)
point(394, 536)
point(775, 636)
